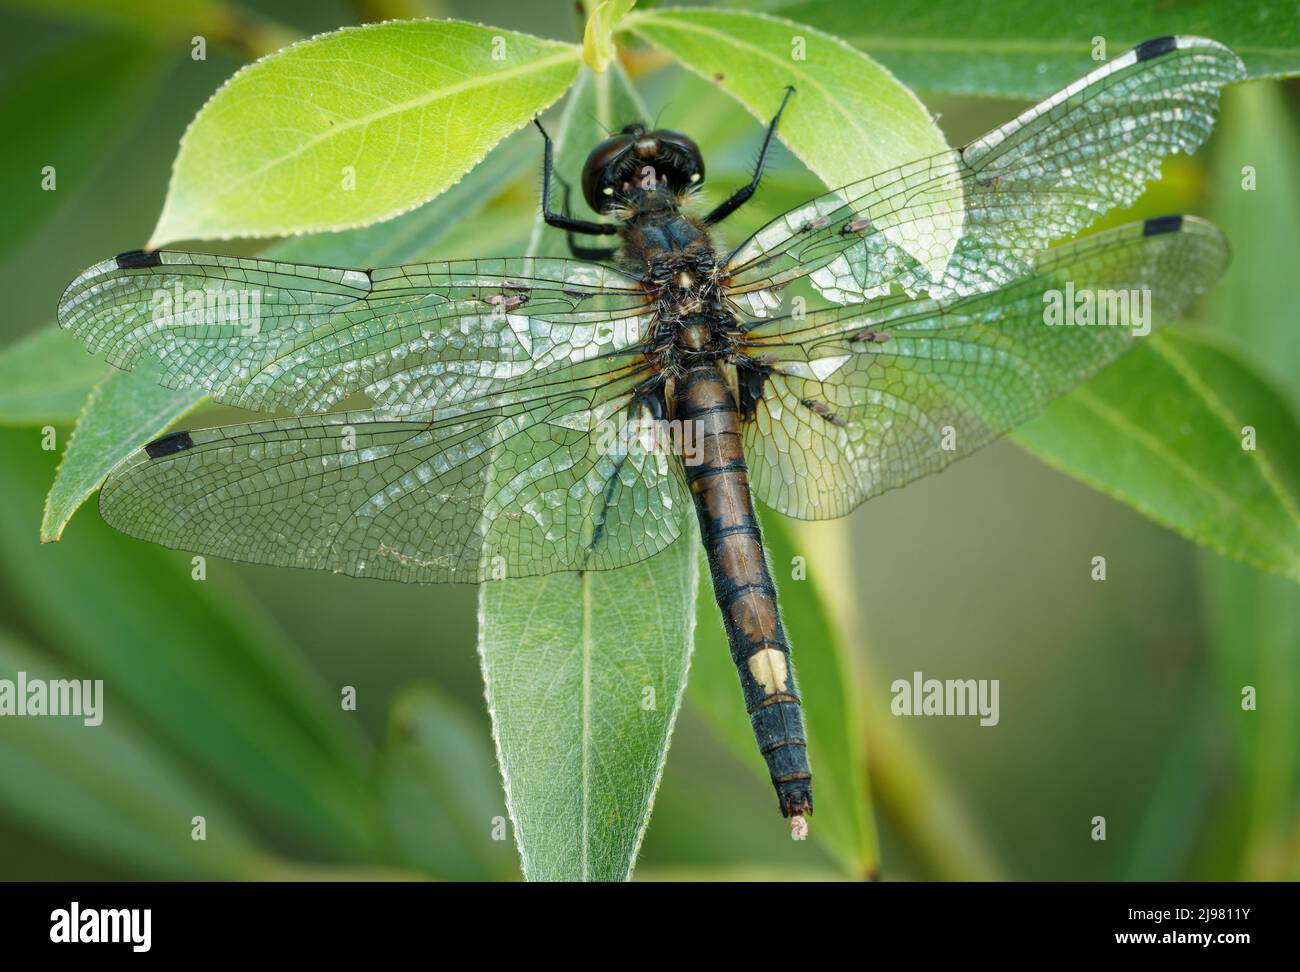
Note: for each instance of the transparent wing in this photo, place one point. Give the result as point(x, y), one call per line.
point(1039, 178)
point(525, 483)
point(868, 398)
point(264, 335)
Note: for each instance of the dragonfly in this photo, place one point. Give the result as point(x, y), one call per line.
point(519, 416)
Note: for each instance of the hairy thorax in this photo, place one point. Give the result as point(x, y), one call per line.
point(682, 281)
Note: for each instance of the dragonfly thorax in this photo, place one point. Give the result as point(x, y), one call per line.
point(681, 275)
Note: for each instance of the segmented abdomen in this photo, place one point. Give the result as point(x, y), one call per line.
point(743, 586)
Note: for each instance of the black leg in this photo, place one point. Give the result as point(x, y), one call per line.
point(555, 219)
point(597, 253)
point(575, 248)
point(743, 194)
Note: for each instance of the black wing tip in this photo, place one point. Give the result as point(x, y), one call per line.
point(168, 445)
point(1161, 224)
point(1156, 47)
point(138, 259)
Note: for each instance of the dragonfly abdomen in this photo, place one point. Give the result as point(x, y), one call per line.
point(742, 583)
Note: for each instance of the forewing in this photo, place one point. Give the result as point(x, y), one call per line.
point(263, 334)
point(865, 399)
point(1042, 177)
point(541, 483)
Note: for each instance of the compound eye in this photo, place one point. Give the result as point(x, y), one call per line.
point(683, 157)
point(600, 172)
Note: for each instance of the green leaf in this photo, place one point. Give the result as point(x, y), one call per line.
point(848, 119)
point(60, 117)
point(110, 789)
point(1162, 430)
point(832, 702)
point(584, 676)
point(125, 409)
point(584, 672)
point(45, 378)
point(416, 235)
point(441, 793)
point(598, 47)
point(194, 659)
point(355, 126)
point(1026, 49)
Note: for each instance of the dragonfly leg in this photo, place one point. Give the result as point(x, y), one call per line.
point(744, 193)
point(591, 252)
point(575, 248)
point(557, 220)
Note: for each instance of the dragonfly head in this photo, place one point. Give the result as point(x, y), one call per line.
point(636, 162)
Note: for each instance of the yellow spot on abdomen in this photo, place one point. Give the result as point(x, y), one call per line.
point(770, 670)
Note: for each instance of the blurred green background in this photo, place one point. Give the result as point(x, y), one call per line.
point(1118, 699)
